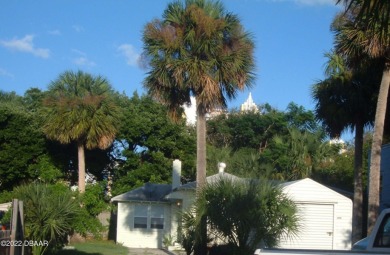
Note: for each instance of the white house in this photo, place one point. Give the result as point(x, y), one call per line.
point(147, 214)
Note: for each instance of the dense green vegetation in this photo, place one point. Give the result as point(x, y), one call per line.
point(50, 139)
point(283, 145)
point(147, 143)
point(240, 214)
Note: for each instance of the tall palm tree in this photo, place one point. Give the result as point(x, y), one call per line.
point(79, 109)
point(377, 10)
point(363, 31)
point(200, 50)
point(345, 100)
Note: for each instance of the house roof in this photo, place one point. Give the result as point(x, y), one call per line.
point(159, 192)
point(209, 179)
point(148, 192)
point(162, 192)
point(300, 188)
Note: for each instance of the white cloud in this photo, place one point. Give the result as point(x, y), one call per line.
point(316, 2)
point(78, 28)
point(131, 55)
point(26, 45)
point(54, 32)
point(82, 59)
point(79, 52)
point(309, 2)
point(4, 72)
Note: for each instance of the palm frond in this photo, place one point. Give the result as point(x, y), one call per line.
point(197, 49)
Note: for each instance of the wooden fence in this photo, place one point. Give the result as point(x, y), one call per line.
point(5, 236)
point(11, 241)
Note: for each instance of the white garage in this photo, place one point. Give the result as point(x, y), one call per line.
point(325, 217)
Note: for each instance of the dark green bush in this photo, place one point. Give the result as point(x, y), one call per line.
point(242, 214)
point(50, 211)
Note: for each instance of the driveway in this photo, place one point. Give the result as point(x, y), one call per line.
point(139, 251)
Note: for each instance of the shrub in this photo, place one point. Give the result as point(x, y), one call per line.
point(244, 214)
point(49, 214)
point(93, 203)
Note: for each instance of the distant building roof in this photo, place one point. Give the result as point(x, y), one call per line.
point(249, 105)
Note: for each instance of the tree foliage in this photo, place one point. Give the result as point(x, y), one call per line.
point(285, 145)
point(53, 211)
point(22, 145)
point(93, 202)
point(80, 108)
point(244, 214)
point(361, 33)
point(49, 215)
point(346, 100)
point(147, 143)
point(197, 49)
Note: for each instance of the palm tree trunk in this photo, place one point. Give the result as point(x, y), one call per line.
point(357, 218)
point(201, 147)
point(81, 158)
point(201, 246)
point(374, 178)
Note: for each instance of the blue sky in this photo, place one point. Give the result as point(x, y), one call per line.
point(41, 39)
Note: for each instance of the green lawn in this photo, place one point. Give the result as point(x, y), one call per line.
point(96, 248)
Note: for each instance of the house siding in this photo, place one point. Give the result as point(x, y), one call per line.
point(308, 192)
point(140, 238)
point(184, 199)
point(326, 218)
point(316, 222)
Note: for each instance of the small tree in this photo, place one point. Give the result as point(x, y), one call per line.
point(244, 214)
point(49, 214)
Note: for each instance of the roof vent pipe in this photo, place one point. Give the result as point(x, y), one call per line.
point(176, 173)
point(221, 167)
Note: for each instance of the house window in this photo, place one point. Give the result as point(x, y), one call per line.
point(157, 217)
point(141, 216)
point(149, 216)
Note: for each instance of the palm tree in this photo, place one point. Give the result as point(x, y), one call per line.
point(363, 32)
point(50, 211)
point(345, 100)
point(266, 215)
point(79, 109)
point(377, 10)
point(200, 50)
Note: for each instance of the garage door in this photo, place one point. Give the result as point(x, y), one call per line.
point(316, 230)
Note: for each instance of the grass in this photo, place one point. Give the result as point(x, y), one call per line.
point(95, 248)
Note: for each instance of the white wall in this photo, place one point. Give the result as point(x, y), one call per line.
point(140, 238)
point(308, 192)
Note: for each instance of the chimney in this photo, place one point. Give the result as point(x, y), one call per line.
point(221, 167)
point(176, 173)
